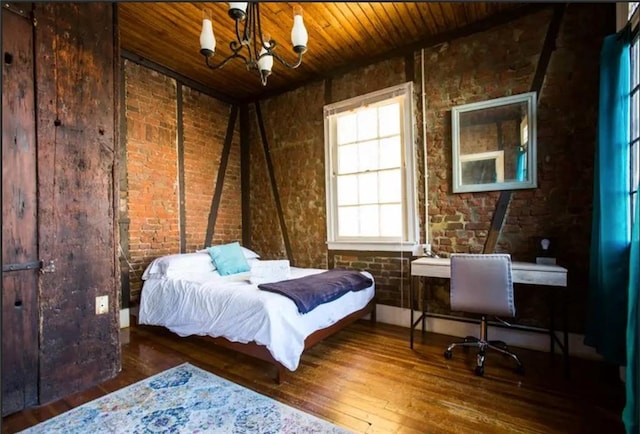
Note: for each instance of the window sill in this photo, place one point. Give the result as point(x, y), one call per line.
point(373, 246)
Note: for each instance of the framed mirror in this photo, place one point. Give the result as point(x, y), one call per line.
point(494, 144)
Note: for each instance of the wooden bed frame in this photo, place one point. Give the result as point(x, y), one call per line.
point(261, 352)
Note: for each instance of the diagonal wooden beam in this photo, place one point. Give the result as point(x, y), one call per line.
point(548, 47)
point(496, 222)
point(274, 185)
point(217, 195)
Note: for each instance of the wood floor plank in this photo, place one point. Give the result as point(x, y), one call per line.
point(368, 380)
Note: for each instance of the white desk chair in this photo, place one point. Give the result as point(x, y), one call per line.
point(482, 284)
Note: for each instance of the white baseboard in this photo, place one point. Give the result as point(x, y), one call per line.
point(401, 317)
point(124, 318)
point(517, 338)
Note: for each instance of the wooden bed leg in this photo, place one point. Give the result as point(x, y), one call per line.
point(373, 315)
point(280, 373)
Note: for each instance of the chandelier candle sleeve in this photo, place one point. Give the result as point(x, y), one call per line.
point(265, 59)
point(299, 35)
point(207, 40)
point(238, 10)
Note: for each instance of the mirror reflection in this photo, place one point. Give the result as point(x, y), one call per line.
point(494, 146)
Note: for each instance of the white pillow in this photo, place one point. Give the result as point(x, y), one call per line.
point(248, 254)
point(269, 271)
point(177, 265)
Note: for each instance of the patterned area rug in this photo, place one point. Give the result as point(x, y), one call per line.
point(184, 399)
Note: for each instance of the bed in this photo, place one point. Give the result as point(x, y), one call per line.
point(187, 294)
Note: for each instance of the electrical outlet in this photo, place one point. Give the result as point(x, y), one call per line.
point(102, 304)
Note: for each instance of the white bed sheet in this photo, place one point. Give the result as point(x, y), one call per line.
point(231, 307)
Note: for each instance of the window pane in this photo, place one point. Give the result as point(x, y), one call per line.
point(635, 109)
point(635, 170)
point(389, 116)
point(347, 128)
point(635, 76)
point(348, 222)
point(390, 186)
point(367, 124)
point(347, 159)
point(368, 152)
point(347, 190)
point(369, 221)
point(391, 220)
point(390, 152)
point(368, 188)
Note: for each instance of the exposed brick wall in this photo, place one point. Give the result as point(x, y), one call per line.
point(499, 62)
point(392, 274)
point(502, 62)
point(266, 235)
point(205, 123)
point(152, 171)
point(369, 79)
point(295, 135)
point(152, 199)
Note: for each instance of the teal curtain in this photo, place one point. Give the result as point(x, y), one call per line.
point(632, 382)
point(606, 327)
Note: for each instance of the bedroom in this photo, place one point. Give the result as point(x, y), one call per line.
point(153, 116)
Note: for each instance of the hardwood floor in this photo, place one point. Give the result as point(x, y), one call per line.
point(367, 379)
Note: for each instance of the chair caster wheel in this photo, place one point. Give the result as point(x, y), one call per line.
point(447, 355)
point(479, 371)
point(519, 370)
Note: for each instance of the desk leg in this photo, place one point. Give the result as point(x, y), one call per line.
point(565, 320)
point(552, 323)
point(411, 313)
point(424, 305)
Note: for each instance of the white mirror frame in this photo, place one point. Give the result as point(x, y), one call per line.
point(457, 159)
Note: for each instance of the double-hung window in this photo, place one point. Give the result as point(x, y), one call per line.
point(369, 157)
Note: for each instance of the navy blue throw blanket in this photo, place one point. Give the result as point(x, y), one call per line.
point(310, 291)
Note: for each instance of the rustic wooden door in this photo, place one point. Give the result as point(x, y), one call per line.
point(20, 263)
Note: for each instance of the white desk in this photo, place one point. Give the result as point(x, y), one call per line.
point(522, 272)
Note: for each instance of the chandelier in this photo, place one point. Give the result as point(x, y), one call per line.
point(252, 45)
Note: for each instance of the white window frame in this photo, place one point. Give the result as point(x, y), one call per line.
point(409, 207)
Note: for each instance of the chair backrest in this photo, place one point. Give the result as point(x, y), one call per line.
point(482, 284)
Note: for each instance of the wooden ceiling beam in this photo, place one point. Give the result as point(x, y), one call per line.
point(178, 77)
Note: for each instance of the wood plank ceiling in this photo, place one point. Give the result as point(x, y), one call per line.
point(341, 36)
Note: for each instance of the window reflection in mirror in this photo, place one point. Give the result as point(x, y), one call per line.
point(494, 146)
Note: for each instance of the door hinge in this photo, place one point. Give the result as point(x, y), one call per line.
point(34, 265)
point(20, 9)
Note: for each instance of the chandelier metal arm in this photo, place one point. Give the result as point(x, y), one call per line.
point(224, 61)
point(243, 37)
point(287, 64)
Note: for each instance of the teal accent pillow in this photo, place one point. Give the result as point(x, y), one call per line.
point(229, 258)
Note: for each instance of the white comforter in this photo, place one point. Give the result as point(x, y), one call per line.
point(231, 307)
